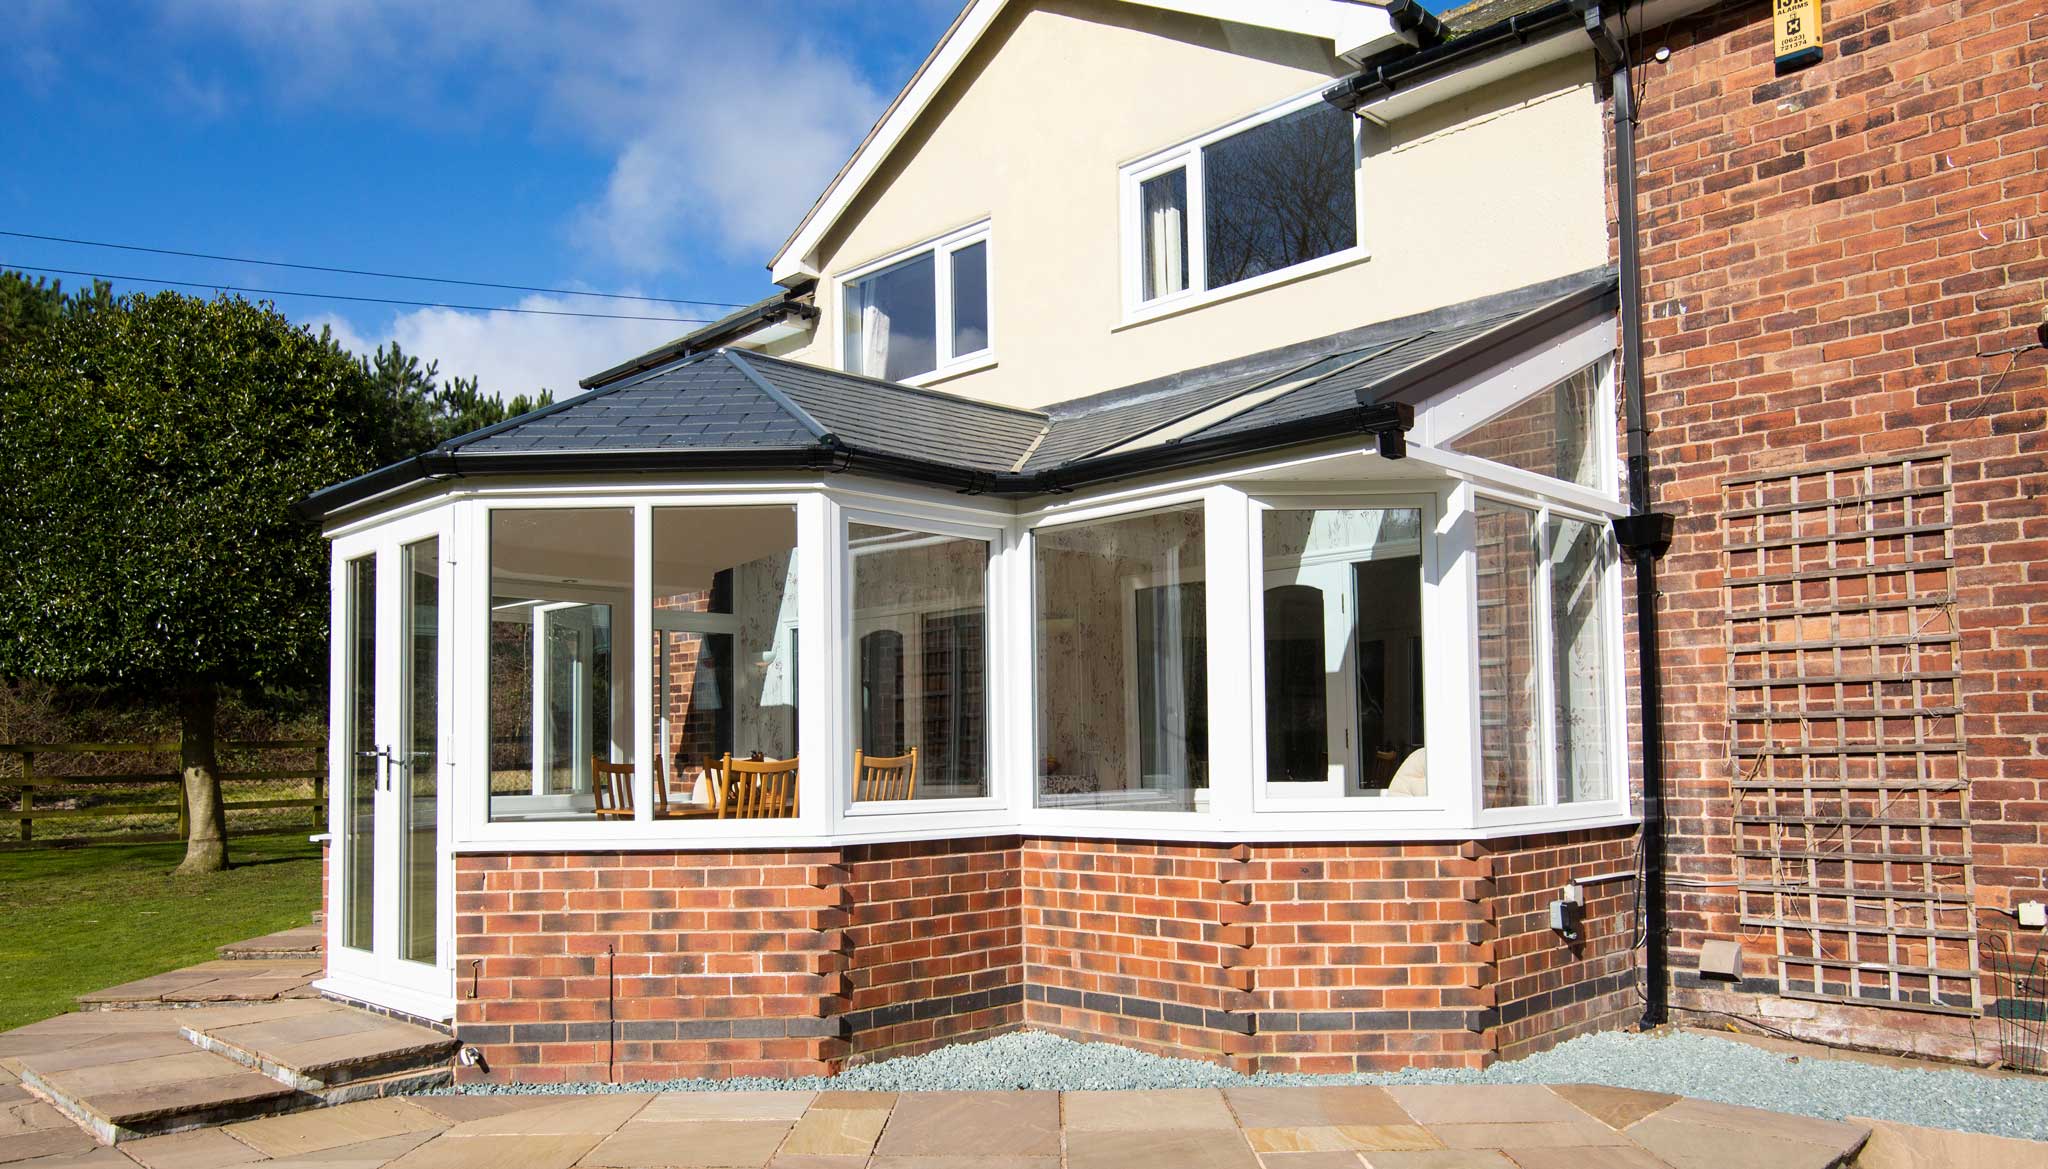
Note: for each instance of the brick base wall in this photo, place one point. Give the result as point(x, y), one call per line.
point(630, 966)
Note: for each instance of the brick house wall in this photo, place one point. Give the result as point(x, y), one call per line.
point(1827, 258)
point(632, 966)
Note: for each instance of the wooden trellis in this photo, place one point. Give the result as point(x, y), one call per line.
point(1852, 814)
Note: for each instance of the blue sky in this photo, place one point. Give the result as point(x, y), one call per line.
point(661, 147)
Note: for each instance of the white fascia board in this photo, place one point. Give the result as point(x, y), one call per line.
point(1354, 30)
point(1394, 106)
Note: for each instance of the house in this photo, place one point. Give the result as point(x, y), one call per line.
point(1154, 573)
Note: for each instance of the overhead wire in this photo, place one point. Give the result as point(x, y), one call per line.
point(475, 308)
point(92, 243)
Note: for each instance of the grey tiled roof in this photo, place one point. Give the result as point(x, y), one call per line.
point(733, 408)
point(883, 416)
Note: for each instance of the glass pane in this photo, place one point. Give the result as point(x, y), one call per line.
point(1343, 625)
point(1122, 703)
point(970, 299)
point(1163, 220)
point(418, 852)
point(1278, 194)
point(725, 620)
point(1511, 769)
point(1550, 433)
point(1297, 686)
point(365, 762)
point(1578, 564)
point(921, 675)
point(899, 321)
point(560, 581)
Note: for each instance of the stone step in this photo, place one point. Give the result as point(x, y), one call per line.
point(211, 983)
point(300, 942)
point(143, 1088)
point(320, 1051)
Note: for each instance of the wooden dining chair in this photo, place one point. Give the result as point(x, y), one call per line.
point(885, 777)
point(757, 788)
point(613, 784)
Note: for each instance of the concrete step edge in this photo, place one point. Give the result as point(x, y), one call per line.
point(423, 1058)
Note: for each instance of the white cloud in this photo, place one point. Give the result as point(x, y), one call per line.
point(512, 353)
point(723, 118)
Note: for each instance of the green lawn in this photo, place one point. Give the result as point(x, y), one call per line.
point(79, 919)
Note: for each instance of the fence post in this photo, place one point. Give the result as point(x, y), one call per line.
point(28, 795)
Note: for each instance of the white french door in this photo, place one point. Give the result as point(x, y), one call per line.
point(388, 883)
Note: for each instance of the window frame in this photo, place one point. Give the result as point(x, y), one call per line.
point(1440, 639)
point(941, 249)
point(996, 690)
point(1187, 154)
point(1613, 679)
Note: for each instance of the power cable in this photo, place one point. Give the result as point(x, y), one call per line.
point(93, 243)
point(474, 308)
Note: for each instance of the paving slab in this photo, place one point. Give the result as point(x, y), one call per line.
point(1187, 1108)
point(1685, 1145)
point(863, 1100)
point(94, 1158)
point(48, 1142)
point(826, 1161)
point(1439, 1159)
point(1905, 1146)
point(1538, 1135)
point(973, 1124)
point(728, 1106)
point(321, 1049)
point(218, 981)
point(840, 1132)
point(346, 1124)
point(1483, 1103)
point(1341, 1137)
point(1617, 1108)
point(1585, 1157)
point(1162, 1147)
point(500, 1151)
point(593, 1116)
point(1281, 1107)
point(691, 1144)
point(462, 1109)
point(205, 1148)
point(999, 1162)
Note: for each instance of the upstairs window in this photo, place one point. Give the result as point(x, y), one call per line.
point(918, 312)
point(1253, 199)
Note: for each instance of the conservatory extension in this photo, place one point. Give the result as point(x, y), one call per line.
point(748, 716)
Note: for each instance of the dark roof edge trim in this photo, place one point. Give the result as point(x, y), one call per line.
point(771, 311)
point(1409, 16)
point(1403, 69)
point(817, 429)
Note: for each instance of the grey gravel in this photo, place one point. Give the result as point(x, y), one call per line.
point(1684, 1063)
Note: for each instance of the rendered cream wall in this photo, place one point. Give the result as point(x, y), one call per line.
point(1492, 192)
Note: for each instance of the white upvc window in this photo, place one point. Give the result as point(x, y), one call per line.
point(920, 313)
point(1268, 198)
point(1546, 605)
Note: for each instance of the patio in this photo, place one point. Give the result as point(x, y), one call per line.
point(1412, 1127)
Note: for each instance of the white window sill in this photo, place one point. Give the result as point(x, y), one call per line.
point(1351, 826)
point(1189, 301)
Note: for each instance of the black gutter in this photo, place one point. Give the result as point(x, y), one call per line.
point(1645, 533)
point(1411, 17)
point(1390, 72)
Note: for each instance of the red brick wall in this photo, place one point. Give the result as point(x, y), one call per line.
point(934, 950)
point(1827, 257)
point(723, 963)
point(1326, 958)
point(1275, 957)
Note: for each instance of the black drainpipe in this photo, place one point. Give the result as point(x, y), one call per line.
point(1645, 534)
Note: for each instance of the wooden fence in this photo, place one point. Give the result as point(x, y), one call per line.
point(134, 805)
